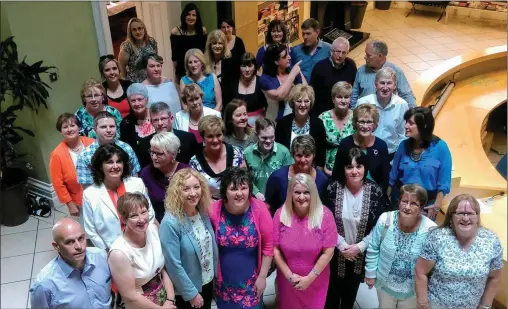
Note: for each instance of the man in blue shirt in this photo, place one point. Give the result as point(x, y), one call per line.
point(375, 58)
point(312, 50)
point(78, 277)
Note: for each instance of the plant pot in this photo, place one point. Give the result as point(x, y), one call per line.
point(358, 9)
point(14, 210)
point(383, 5)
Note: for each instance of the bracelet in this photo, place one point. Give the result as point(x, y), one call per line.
point(315, 272)
point(291, 278)
point(172, 300)
point(485, 306)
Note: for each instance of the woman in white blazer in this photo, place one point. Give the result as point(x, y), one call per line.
point(187, 120)
point(110, 171)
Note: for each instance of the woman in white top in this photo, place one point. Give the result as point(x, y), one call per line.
point(160, 88)
point(187, 120)
point(136, 260)
point(357, 203)
point(188, 240)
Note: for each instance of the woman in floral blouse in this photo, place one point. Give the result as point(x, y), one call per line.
point(337, 122)
point(188, 241)
point(244, 235)
point(465, 260)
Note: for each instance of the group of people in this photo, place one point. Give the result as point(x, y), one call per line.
point(197, 189)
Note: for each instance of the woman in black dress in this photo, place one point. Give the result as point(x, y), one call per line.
point(235, 43)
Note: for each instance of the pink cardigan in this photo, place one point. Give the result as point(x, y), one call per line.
point(262, 223)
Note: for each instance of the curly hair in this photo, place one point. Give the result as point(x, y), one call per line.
point(102, 155)
point(174, 201)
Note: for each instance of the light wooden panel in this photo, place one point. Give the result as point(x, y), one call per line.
point(250, 41)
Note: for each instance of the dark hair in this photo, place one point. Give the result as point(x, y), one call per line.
point(310, 23)
point(229, 110)
point(234, 176)
point(276, 23)
point(199, 23)
point(103, 154)
point(425, 124)
point(65, 117)
point(272, 54)
point(227, 21)
point(263, 123)
point(248, 59)
point(143, 62)
point(346, 157)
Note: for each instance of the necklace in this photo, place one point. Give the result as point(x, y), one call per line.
point(78, 148)
point(356, 205)
point(416, 156)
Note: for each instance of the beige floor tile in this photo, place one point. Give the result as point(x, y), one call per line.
point(418, 36)
point(419, 49)
point(429, 57)
point(429, 42)
point(445, 40)
point(44, 240)
point(434, 63)
point(419, 66)
point(404, 67)
point(395, 60)
point(11, 270)
point(439, 48)
point(448, 54)
point(409, 43)
point(18, 244)
point(29, 225)
point(456, 46)
point(409, 59)
point(411, 76)
point(399, 52)
point(17, 294)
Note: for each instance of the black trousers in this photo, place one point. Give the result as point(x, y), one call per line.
point(206, 293)
point(342, 291)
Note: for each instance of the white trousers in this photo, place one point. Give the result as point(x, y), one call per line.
point(386, 301)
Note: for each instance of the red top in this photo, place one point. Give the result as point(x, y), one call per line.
point(123, 106)
point(114, 198)
point(199, 139)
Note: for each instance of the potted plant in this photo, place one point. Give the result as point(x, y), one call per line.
point(20, 86)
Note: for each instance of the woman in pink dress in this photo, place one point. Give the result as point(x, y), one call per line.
point(304, 237)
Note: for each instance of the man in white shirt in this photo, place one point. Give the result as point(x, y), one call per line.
point(391, 108)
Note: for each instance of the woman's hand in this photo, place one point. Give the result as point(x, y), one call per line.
point(73, 209)
point(260, 286)
point(370, 282)
point(303, 282)
point(168, 305)
point(296, 69)
point(351, 252)
point(293, 279)
point(197, 301)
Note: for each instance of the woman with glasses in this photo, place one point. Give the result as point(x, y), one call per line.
point(133, 49)
point(396, 243)
point(164, 148)
point(93, 97)
point(337, 122)
point(365, 120)
point(461, 262)
point(422, 158)
point(116, 88)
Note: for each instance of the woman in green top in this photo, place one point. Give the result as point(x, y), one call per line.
point(337, 122)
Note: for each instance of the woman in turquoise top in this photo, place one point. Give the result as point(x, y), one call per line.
point(394, 248)
point(198, 71)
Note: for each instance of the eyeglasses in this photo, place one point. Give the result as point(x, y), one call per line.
point(93, 96)
point(161, 119)
point(464, 214)
point(336, 51)
point(367, 123)
point(157, 154)
point(404, 203)
point(109, 56)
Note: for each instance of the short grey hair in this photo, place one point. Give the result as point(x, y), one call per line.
point(158, 107)
point(167, 141)
point(380, 47)
point(341, 40)
point(386, 72)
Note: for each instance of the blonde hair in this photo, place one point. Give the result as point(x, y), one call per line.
point(205, 66)
point(214, 37)
point(315, 208)
point(174, 200)
point(190, 91)
point(298, 92)
point(210, 123)
point(342, 88)
point(89, 84)
point(130, 38)
point(386, 72)
point(129, 202)
point(168, 141)
point(362, 110)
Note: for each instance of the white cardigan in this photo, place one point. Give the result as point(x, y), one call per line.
point(182, 118)
point(100, 218)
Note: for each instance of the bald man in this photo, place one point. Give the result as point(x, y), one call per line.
point(78, 277)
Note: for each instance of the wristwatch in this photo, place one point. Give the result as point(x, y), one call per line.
point(172, 300)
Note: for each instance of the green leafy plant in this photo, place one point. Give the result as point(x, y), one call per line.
point(22, 83)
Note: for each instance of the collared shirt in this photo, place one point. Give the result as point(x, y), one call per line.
point(83, 167)
point(364, 84)
point(86, 121)
point(59, 285)
point(261, 168)
point(300, 52)
point(391, 127)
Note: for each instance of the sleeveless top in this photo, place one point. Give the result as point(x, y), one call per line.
point(135, 55)
point(180, 44)
point(208, 87)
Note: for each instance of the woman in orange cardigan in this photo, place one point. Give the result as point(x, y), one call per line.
point(62, 163)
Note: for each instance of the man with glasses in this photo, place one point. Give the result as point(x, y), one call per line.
point(327, 72)
point(265, 156)
point(162, 121)
point(375, 58)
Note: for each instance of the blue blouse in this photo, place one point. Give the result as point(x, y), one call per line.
point(208, 87)
point(433, 172)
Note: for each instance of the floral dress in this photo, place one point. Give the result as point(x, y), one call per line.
point(86, 121)
point(238, 243)
point(334, 136)
point(134, 73)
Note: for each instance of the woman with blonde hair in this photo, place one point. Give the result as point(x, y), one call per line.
point(303, 225)
point(137, 45)
point(188, 241)
point(220, 59)
point(236, 118)
point(198, 71)
point(93, 96)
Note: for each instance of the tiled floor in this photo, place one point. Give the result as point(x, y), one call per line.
point(415, 44)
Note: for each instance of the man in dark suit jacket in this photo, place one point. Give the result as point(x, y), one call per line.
point(162, 121)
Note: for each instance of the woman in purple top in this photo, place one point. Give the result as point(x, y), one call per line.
point(163, 150)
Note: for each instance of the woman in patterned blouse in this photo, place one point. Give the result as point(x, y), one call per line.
point(465, 260)
point(188, 241)
point(337, 122)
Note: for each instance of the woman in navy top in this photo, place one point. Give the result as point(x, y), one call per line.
point(422, 159)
